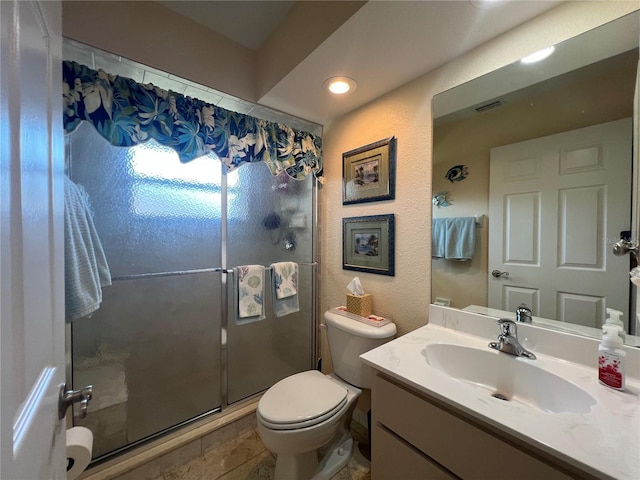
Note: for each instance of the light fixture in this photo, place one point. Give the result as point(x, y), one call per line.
point(486, 4)
point(340, 85)
point(539, 55)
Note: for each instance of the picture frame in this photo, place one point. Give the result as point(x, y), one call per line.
point(368, 244)
point(369, 172)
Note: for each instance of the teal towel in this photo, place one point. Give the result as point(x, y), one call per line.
point(438, 237)
point(453, 238)
point(461, 238)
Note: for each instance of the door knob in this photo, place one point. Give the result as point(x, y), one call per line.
point(622, 247)
point(69, 397)
point(498, 274)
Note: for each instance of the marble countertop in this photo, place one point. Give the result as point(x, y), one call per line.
point(632, 340)
point(604, 442)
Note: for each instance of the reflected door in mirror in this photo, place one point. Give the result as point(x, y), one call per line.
point(558, 204)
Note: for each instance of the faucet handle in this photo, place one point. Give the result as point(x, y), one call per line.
point(523, 313)
point(506, 326)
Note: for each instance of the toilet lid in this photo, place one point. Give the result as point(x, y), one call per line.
point(301, 399)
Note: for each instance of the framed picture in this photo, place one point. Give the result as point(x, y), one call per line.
point(369, 173)
point(368, 244)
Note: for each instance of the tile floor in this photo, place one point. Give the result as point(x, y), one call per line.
point(246, 458)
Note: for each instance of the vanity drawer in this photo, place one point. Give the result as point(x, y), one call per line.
point(461, 447)
point(392, 457)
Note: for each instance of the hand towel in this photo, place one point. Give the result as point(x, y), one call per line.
point(285, 278)
point(438, 237)
point(85, 265)
point(284, 288)
point(461, 238)
point(250, 293)
point(453, 238)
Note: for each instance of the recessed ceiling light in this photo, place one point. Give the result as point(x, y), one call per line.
point(539, 55)
point(485, 4)
point(340, 85)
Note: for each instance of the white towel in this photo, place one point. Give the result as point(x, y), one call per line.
point(85, 264)
point(250, 293)
point(285, 278)
point(284, 288)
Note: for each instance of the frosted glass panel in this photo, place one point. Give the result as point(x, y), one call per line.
point(152, 354)
point(153, 213)
point(152, 350)
point(267, 214)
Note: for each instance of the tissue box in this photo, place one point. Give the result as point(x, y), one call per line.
point(360, 304)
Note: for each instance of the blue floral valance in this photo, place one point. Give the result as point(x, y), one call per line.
point(127, 113)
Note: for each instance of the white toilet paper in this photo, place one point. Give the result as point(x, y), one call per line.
point(79, 445)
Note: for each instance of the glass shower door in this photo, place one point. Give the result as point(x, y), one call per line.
point(152, 350)
point(270, 219)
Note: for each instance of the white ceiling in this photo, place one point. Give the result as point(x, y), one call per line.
point(384, 45)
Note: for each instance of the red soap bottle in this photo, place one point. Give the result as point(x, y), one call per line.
point(611, 356)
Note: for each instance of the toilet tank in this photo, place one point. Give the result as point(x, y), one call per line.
point(348, 339)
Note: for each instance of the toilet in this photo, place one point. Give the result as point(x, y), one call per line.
point(305, 419)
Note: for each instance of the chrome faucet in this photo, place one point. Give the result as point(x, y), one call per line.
point(523, 313)
point(509, 343)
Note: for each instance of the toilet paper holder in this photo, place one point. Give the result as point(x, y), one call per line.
point(69, 397)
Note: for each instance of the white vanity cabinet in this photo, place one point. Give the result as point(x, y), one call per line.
point(435, 417)
point(419, 438)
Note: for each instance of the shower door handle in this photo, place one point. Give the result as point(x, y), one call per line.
point(69, 397)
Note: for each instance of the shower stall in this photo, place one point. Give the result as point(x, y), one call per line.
point(165, 347)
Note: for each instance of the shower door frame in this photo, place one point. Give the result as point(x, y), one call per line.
point(315, 265)
point(315, 287)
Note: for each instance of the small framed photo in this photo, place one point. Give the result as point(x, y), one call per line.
point(368, 244)
point(369, 173)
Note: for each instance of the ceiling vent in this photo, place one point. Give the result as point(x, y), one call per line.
point(489, 106)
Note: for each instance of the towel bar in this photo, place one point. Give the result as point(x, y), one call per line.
point(186, 272)
point(230, 270)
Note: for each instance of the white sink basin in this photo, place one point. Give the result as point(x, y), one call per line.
point(508, 378)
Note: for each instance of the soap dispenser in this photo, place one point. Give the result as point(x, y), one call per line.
point(613, 318)
point(611, 356)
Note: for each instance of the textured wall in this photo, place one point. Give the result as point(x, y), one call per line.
point(406, 114)
point(163, 40)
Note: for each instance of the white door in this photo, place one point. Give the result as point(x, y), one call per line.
point(31, 236)
point(557, 205)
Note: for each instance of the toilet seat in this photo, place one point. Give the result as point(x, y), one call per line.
point(301, 400)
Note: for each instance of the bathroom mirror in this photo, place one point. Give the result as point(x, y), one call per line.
point(508, 147)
